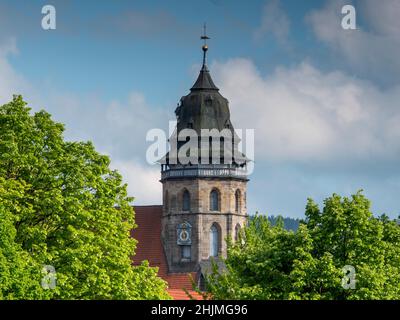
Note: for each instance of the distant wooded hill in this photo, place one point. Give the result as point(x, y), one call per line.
point(288, 223)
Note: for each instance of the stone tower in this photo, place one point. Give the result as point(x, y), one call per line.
point(204, 202)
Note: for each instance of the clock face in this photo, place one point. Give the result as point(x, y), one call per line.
point(184, 235)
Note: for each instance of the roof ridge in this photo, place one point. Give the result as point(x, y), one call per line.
point(146, 205)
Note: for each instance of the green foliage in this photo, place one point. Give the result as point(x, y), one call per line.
point(61, 205)
point(269, 262)
point(18, 270)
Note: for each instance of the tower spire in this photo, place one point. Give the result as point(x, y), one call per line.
point(205, 47)
point(204, 81)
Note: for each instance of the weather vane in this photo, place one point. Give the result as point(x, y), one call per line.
point(205, 47)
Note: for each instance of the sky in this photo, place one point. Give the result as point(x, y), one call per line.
point(323, 101)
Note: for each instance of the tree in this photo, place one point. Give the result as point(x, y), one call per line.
point(269, 262)
point(18, 270)
point(61, 205)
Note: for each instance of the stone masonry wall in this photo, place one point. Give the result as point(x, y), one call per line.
point(200, 217)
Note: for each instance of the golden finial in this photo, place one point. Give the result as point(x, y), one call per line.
point(205, 47)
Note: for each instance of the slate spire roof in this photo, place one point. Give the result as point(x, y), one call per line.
point(204, 80)
point(204, 108)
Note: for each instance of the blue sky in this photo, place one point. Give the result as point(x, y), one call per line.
point(143, 44)
point(324, 102)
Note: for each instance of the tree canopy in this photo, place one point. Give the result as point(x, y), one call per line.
point(62, 206)
point(339, 252)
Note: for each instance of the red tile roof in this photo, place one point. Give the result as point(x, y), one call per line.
point(149, 247)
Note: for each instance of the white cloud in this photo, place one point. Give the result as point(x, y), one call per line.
point(10, 81)
point(117, 128)
point(143, 181)
point(304, 114)
point(274, 21)
point(373, 49)
point(301, 115)
point(383, 16)
point(9, 46)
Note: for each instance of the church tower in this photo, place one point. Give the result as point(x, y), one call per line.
point(204, 202)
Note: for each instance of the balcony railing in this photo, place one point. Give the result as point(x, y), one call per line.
point(180, 171)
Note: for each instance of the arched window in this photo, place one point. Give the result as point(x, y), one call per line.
point(214, 200)
point(214, 240)
point(186, 252)
point(237, 200)
point(173, 202)
point(237, 232)
point(186, 201)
